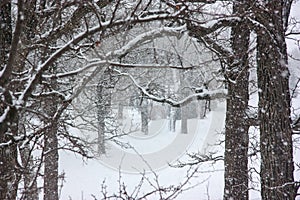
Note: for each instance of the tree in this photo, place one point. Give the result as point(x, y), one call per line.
point(51, 145)
point(236, 127)
point(235, 70)
point(276, 145)
point(9, 116)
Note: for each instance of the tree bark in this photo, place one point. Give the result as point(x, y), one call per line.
point(8, 125)
point(51, 164)
point(277, 167)
point(51, 147)
point(236, 128)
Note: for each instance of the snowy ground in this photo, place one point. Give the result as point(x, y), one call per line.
point(151, 153)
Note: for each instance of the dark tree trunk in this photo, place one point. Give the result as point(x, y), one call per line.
point(8, 128)
point(5, 33)
point(51, 147)
point(274, 106)
point(50, 106)
point(51, 164)
point(236, 128)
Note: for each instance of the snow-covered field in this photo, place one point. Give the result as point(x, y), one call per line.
point(150, 154)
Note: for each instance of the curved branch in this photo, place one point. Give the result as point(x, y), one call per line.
point(205, 94)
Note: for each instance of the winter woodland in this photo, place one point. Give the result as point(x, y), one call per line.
point(149, 99)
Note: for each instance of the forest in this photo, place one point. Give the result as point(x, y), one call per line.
point(83, 76)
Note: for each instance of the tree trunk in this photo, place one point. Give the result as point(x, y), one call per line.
point(51, 148)
point(274, 106)
point(145, 117)
point(51, 164)
point(101, 114)
point(8, 128)
point(103, 106)
point(51, 135)
point(236, 129)
point(184, 117)
point(172, 119)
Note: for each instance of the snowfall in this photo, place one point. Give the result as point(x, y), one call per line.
point(148, 155)
point(154, 155)
point(151, 155)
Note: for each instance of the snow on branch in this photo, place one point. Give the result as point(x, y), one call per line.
point(102, 26)
point(137, 41)
point(148, 66)
point(205, 94)
point(3, 116)
point(200, 33)
point(212, 25)
point(77, 71)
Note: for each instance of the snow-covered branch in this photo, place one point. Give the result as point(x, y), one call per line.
point(148, 66)
point(137, 41)
point(31, 84)
point(205, 94)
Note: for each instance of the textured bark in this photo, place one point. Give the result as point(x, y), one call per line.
point(50, 106)
point(5, 33)
point(51, 164)
point(51, 146)
point(8, 151)
point(274, 106)
point(236, 128)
